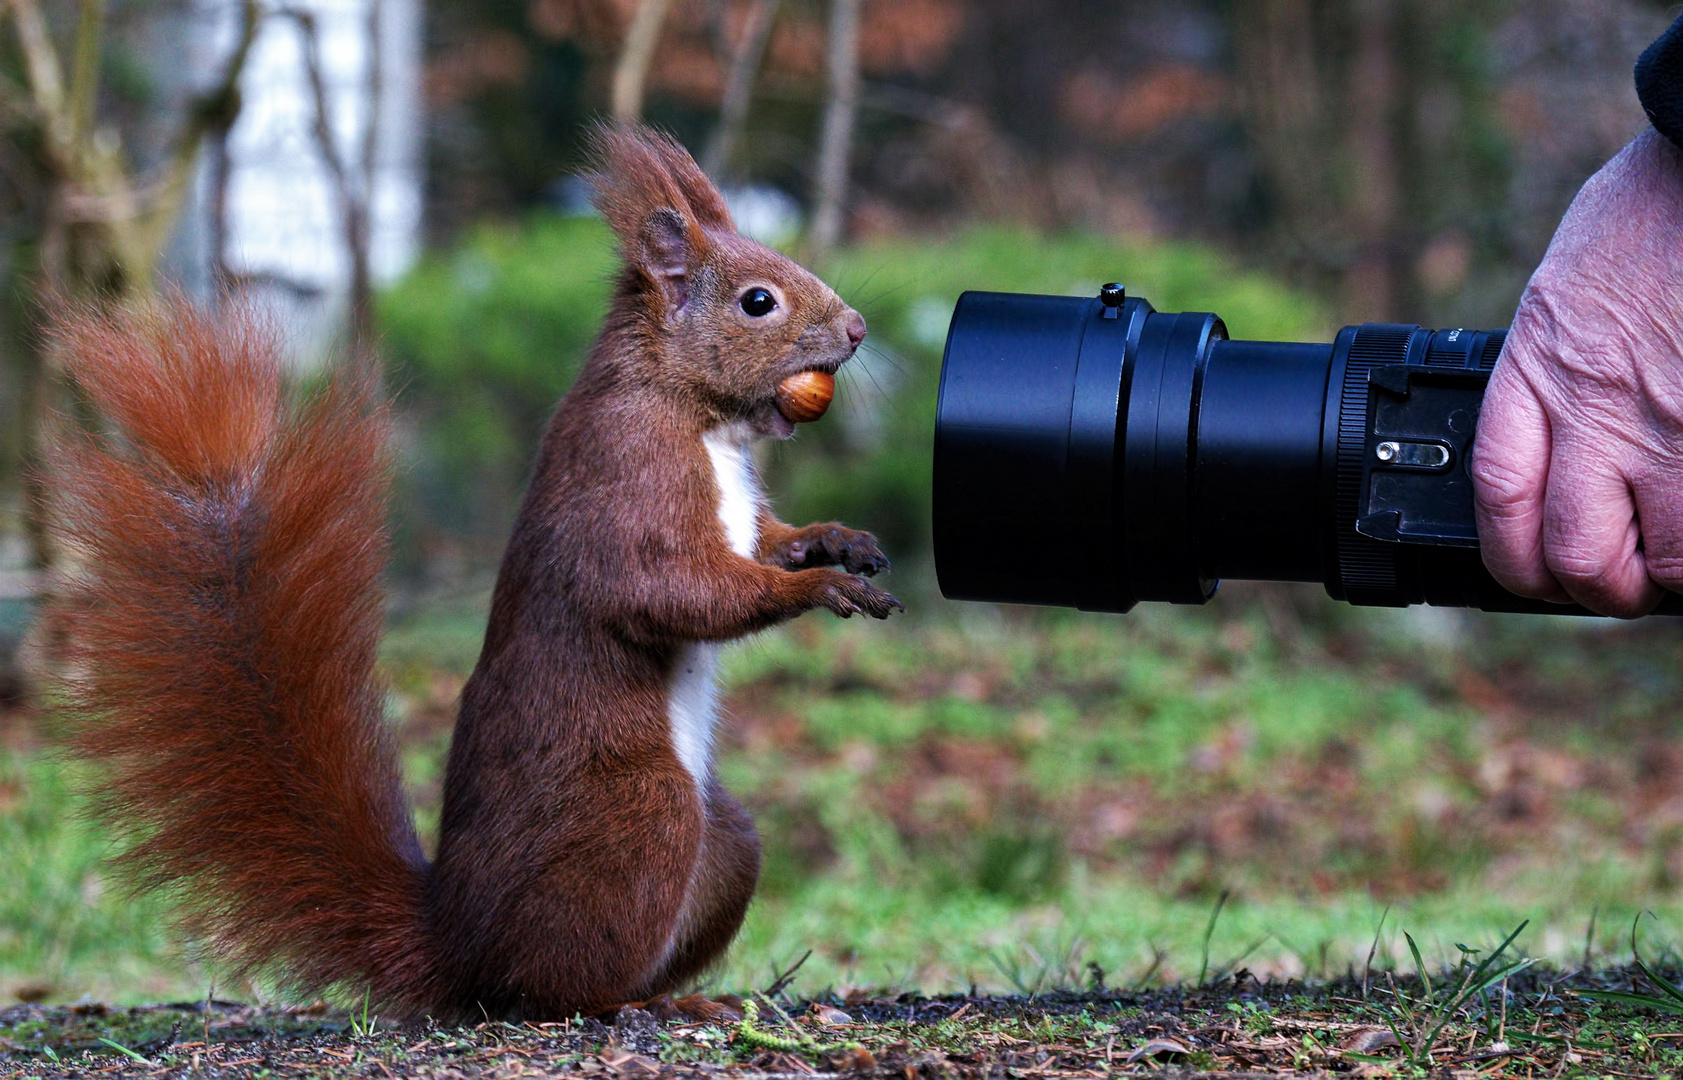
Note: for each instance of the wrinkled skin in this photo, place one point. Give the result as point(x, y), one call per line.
point(1578, 467)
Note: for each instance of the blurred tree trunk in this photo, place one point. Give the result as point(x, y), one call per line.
point(353, 177)
point(631, 73)
point(1370, 284)
point(99, 229)
point(746, 57)
point(103, 229)
point(106, 229)
point(836, 142)
point(1374, 123)
point(1281, 79)
point(1330, 170)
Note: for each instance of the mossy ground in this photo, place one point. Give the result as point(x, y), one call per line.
point(1534, 1024)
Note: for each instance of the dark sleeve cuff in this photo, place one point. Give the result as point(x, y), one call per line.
point(1659, 83)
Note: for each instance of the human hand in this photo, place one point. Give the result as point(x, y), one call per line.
point(1578, 466)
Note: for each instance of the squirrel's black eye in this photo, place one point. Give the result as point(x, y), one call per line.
point(757, 302)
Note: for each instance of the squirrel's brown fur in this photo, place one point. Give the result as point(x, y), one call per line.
point(226, 613)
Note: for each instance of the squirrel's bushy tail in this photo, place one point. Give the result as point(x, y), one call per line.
point(222, 605)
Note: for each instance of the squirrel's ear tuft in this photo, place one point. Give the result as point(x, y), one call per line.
point(637, 171)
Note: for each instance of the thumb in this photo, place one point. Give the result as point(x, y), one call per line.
point(1510, 474)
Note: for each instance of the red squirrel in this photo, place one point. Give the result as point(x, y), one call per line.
point(224, 616)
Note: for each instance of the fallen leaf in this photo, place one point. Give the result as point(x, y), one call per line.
point(1368, 1039)
point(626, 1064)
point(1156, 1048)
point(850, 1059)
point(828, 1015)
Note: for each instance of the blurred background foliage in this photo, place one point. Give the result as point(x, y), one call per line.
point(976, 794)
point(1407, 160)
point(1376, 160)
point(484, 336)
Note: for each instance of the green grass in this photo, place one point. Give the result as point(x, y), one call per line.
point(1069, 789)
point(65, 928)
point(1001, 798)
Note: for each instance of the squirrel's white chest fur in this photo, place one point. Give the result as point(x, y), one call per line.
point(692, 698)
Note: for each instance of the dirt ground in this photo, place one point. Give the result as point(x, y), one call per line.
point(1532, 1024)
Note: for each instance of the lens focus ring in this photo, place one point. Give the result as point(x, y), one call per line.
point(1367, 569)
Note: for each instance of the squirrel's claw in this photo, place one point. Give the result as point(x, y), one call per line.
point(848, 595)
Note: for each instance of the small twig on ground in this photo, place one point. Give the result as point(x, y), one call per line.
point(781, 980)
point(1157, 956)
point(1209, 931)
point(1367, 968)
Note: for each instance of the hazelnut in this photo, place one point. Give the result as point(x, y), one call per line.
point(805, 396)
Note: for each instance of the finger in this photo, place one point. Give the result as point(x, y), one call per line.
point(1590, 534)
point(1510, 471)
point(1659, 514)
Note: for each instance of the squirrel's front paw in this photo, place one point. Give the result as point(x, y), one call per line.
point(847, 595)
point(853, 550)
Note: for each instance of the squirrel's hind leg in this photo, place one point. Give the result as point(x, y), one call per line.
point(724, 881)
point(566, 904)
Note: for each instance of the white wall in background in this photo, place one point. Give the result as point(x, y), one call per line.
point(285, 226)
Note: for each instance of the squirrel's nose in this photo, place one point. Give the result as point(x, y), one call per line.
point(855, 325)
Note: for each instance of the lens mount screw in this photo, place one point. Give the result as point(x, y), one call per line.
point(1386, 451)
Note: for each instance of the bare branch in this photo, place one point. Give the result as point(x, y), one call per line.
point(376, 88)
point(213, 111)
point(269, 279)
point(359, 228)
point(84, 74)
point(631, 73)
point(355, 193)
point(221, 175)
point(834, 153)
point(46, 75)
point(745, 62)
point(322, 125)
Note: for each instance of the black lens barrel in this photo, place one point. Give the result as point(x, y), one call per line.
point(1094, 453)
point(1025, 451)
point(1258, 461)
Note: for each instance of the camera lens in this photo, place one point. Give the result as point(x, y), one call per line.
point(1093, 452)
